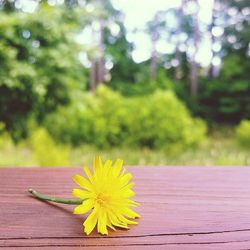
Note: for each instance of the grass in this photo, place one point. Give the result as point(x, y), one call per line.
point(219, 149)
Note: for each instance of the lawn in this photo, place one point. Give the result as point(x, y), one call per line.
point(220, 148)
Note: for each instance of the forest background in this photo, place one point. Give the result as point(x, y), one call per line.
point(153, 83)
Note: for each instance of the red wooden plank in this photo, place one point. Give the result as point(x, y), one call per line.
point(181, 208)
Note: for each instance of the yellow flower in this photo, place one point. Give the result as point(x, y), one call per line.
point(107, 194)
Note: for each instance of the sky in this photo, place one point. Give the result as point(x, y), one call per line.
point(139, 12)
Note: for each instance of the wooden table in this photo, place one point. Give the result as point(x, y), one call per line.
point(181, 208)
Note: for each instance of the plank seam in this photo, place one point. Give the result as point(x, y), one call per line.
point(133, 244)
point(129, 236)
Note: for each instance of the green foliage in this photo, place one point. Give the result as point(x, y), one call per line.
point(226, 102)
point(232, 67)
point(2, 128)
point(243, 133)
point(143, 86)
point(99, 119)
point(162, 120)
point(46, 152)
point(5, 140)
point(219, 148)
point(41, 79)
point(109, 119)
point(39, 65)
point(124, 69)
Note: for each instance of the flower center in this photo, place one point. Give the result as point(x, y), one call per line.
point(102, 198)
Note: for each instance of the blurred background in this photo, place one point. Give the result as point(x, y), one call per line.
point(153, 82)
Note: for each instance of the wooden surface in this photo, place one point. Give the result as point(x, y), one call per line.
point(181, 208)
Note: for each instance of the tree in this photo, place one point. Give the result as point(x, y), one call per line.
point(154, 38)
point(38, 65)
point(226, 97)
point(194, 64)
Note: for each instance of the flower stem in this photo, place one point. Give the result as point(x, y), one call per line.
point(54, 199)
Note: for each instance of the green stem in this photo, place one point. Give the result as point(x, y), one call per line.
point(54, 199)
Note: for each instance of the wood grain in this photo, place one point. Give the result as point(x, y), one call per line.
point(181, 208)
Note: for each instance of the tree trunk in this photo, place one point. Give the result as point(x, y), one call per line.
point(194, 65)
point(178, 71)
point(97, 73)
point(194, 81)
point(101, 61)
point(211, 71)
point(93, 74)
point(154, 39)
point(153, 65)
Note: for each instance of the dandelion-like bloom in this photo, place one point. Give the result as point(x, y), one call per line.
point(107, 193)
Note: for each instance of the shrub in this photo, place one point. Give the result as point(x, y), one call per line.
point(98, 119)
point(46, 152)
point(35, 80)
point(161, 119)
point(108, 119)
point(6, 141)
point(243, 133)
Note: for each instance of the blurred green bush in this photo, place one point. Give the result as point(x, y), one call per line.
point(46, 152)
point(243, 133)
point(39, 70)
point(162, 120)
point(107, 119)
point(5, 138)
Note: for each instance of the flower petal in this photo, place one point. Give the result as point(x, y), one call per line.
point(83, 182)
point(82, 194)
point(130, 213)
point(102, 221)
point(117, 167)
point(125, 220)
point(115, 221)
point(97, 163)
point(84, 207)
point(126, 193)
point(88, 173)
point(126, 178)
point(90, 223)
point(107, 167)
